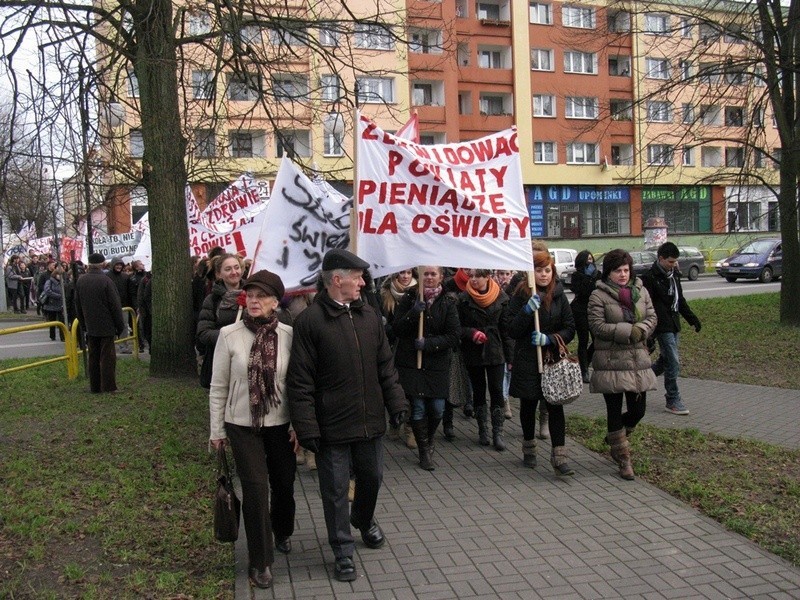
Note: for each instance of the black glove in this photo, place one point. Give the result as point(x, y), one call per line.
point(418, 307)
point(397, 419)
point(310, 444)
point(419, 343)
point(697, 325)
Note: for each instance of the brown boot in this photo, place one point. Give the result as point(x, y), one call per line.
point(621, 453)
point(544, 422)
point(559, 461)
point(408, 435)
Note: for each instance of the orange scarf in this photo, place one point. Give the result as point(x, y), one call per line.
point(485, 299)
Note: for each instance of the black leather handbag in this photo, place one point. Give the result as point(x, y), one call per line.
point(226, 505)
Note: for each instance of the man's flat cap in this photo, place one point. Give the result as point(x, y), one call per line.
point(342, 259)
point(267, 281)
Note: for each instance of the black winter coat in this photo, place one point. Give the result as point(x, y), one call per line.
point(558, 319)
point(212, 319)
point(122, 281)
point(499, 347)
point(97, 305)
point(657, 283)
point(582, 285)
point(441, 331)
point(341, 378)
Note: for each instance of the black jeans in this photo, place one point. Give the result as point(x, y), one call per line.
point(527, 415)
point(54, 316)
point(636, 403)
point(266, 465)
point(334, 464)
point(102, 364)
point(478, 378)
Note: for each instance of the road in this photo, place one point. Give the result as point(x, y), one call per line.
point(714, 286)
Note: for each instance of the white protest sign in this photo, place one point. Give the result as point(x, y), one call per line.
point(118, 244)
point(450, 204)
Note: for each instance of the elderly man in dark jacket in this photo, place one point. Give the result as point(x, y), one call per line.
point(341, 380)
point(100, 313)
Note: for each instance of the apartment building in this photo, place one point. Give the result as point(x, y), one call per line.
point(623, 116)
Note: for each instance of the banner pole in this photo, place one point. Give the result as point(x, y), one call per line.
point(532, 285)
point(421, 324)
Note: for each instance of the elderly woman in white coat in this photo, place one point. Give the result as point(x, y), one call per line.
point(621, 318)
point(249, 410)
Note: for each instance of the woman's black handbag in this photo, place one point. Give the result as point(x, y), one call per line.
point(226, 505)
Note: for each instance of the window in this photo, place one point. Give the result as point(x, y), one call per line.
point(241, 144)
point(736, 76)
point(373, 36)
point(331, 87)
point(292, 142)
point(464, 103)
point(759, 117)
point(619, 66)
point(710, 114)
point(133, 86)
point(289, 36)
point(492, 105)
point(656, 68)
point(544, 152)
point(544, 105)
point(687, 29)
point(621, 154)
point(708, 33)
point(619, 21)
point(734, 157)
point(205, 143)
point(686, 69)
point(734, 116)
point(708, 73)
point(659, 154)
point(541, 14)
point(577, 16)
point(711, 156)
point(422, 94)
point(759, 159)
point(621, 110)
point(243, 86)
point(250, 34)
point(373, 90)
point(605, 218)
point(687, 156)
point(494, 57)
point(541, 59)
point(687, 112)
point(430, 139)
point(734, 34)
point(580, 108)
point(424, 41)
point(581, 153)
point(580, 62)
point(289, 87)
point(659, 111)
point(758, 76)
point(333, 144)
point(136, 143)
point(656, 24)
point(328, 36)
point(486, 10)
point(199, 23)
point(202, 85)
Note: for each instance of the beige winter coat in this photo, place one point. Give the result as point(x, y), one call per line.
point(619, 365)
point(229, 396)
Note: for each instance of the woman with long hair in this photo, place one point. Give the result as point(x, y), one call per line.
point(582, 285)
point(555, 317)
point(621, 318)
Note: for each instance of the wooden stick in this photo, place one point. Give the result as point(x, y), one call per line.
point(421, 325)
point(532, 284)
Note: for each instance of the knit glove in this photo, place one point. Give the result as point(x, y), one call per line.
point(418, 307)
point(419, 343)
point(478, 337)
point(533, 304)
point(637, 335)
point(539, 339)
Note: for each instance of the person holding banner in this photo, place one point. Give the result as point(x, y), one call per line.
point(621, 318)
point(486, 347)
point(219, 309)
point(555, 317)
point(426, 385)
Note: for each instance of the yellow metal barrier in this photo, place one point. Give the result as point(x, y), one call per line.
point(71, 351)
point(70, 355)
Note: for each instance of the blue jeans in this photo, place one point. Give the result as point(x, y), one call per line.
point(669, 364)
point(419, 409)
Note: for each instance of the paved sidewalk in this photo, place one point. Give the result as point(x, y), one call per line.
point(482, 526)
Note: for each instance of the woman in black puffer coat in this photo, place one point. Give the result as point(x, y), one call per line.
point(555, 316)
point(582, 285)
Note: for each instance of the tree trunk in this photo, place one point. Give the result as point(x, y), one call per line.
point(788, 205)
point(164, 178)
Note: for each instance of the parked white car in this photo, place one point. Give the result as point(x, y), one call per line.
point(565, 262)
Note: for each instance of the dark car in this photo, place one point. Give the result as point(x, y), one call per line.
point(760, 259)
point(691, 262)
point(642, 261)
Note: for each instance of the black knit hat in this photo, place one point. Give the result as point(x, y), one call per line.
point(96, 259)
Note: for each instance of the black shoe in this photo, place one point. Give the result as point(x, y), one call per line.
point(468, 411)
point(345, 569)
point(283, 544)
point(372, 535)
point(261, 579)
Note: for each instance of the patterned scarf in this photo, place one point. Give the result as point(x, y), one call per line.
point(261, 366)
point(673, 287)
point(431, 294)
point(229, 300)
point(484, 299)
point(628, 298)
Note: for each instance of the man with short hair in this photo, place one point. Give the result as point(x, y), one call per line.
point(100, 314)
point(341, 381)
point(663, 282)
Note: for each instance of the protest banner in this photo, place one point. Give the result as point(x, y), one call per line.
point(72, 249)
point(117, 244)
point(236, 205)
point(449, 204)
point(303, 220)
point(42, 245)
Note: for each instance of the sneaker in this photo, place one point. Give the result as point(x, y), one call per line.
point(677, 408)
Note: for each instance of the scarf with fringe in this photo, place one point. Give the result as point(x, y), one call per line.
point(261, 366)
